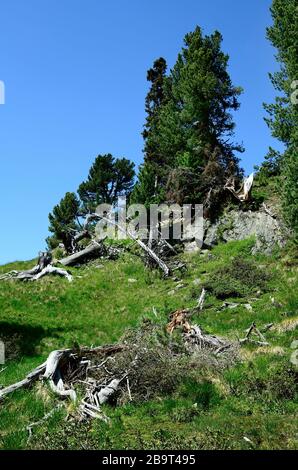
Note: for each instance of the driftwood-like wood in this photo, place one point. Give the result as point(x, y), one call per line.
point(41, 269)
point(50, 369)
point(144, 247)
point(27, 381)
point(243, 194)
point(195, 338)
point(201, 299)
point(254, 330)
point(91, 251)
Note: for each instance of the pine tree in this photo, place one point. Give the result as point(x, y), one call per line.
point(150, 173)
point(197, 119)
point(192, 122)
point(283, 114)
point(108, 178)
point(63, 220)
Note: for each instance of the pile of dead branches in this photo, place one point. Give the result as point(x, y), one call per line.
point(147, 363)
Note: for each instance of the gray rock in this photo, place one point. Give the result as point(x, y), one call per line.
point(191, 247)
point(172, 292)
point(248, 307)
point(180, 286)
point(240, 225)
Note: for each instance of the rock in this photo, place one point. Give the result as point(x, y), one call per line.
point(172, 292)
point(240, 225)
point(248, 307)
point(197, 282)
point(131, 280)
point(180, 286)
point(230, 305)
point(191, 247)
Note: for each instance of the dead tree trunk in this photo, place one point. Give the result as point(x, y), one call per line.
point(91, 251)
point(42, 268)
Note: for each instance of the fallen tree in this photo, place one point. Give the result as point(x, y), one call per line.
point(43, 267)
point(94, 250)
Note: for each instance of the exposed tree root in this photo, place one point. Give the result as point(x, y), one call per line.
point(43, 268)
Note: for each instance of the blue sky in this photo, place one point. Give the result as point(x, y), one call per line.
point(75, 79)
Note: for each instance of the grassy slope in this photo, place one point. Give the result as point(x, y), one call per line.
point(254, 399)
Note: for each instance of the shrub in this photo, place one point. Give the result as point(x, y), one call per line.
point(239, 279)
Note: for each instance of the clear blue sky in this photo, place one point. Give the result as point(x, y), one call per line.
point(75, 77)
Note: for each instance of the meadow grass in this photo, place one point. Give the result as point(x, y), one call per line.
point(250, 405)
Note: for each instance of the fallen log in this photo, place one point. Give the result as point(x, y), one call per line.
point(41, 269)
point(94, 250)
point(27, 381)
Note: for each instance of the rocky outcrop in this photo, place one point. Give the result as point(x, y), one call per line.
point(267, 229)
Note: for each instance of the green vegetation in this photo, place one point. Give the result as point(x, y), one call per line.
point(282, 115)
point(189, 128)
point(108, 178)
point(207, 408)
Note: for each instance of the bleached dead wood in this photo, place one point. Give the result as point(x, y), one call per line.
point(243, 193)
point(144, 247)
point(41, 269)
point(105, 393)
point(52, 270)
point(91, 251)
point(196, 337)
point(50, 369)
point(27, 381)
point(254, 330)
point(201, 299)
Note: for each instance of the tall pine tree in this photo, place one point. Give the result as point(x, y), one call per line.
point(193, 124)
point(145, 191)
point(283, 114)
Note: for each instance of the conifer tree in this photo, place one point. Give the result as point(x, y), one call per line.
point(193, 122)
point(63, 220)
point(108, 178)
point(282, 115)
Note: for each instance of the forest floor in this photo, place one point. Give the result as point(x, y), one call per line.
point(250, 405)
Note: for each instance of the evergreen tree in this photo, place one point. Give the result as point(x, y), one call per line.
point(63, 220)
point(197, 120)
point(283, 114)
point(192, 122)
point(145, 191)
point(108, 178)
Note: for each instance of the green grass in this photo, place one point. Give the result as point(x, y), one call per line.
point(254, 399)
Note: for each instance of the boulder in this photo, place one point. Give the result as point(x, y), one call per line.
point(240, 225)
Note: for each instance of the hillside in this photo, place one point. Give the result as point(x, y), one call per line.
point(249, 405)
